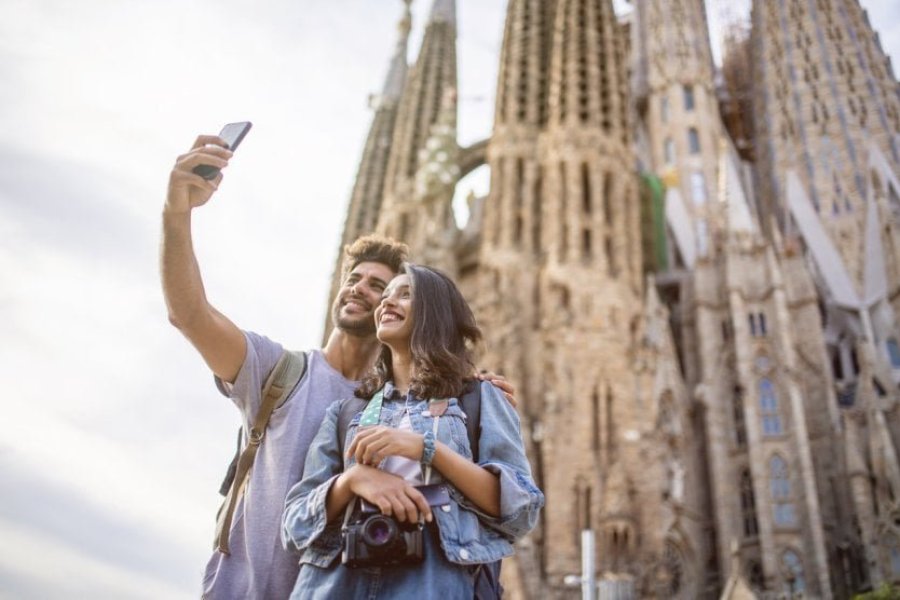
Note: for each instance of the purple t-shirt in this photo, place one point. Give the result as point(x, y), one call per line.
point(258, 566)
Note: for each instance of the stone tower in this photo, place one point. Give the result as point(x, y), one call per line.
point(431, 84)
point(725, 418)
point(676, 97)
point(828, 115)
point(367, 194)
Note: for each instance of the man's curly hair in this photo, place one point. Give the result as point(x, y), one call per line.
point(374, 248)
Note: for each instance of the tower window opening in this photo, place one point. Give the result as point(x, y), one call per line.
point(611, 266)
point(737, 407)
point(748, 505)
point(693, 141)
point(664, 109)
point(780, 490)
point(607, 199)
point(586, 189)
point(688, 98)
point(893, 352)
point(698, 188)
point(795, 582)
point(536, 210)
point(669, 152)
point(563, 214)
point(768, 407)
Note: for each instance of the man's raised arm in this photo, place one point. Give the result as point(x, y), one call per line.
point(218, 340)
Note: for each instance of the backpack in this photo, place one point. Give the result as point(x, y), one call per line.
point(282, 380)
point(487, 575)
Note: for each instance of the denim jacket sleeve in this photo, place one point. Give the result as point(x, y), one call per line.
point(304, 525)
point(502, 452)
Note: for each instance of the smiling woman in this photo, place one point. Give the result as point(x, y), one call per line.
point(428, 507)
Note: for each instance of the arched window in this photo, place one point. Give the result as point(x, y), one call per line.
point(693, 141)
point(768, 408)
point(674, 570)
point(780, 484)
point(893, 547)
point(669, 151)
point(780, 489)
point(795, 582)
point(893, 352)
point(688, 98)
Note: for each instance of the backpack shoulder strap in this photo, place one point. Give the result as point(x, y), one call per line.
point(282, 380)
point(471, 405)
point(349, 408)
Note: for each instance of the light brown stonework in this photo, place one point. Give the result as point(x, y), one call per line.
point(723, 422)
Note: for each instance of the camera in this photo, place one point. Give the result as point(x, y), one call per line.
point(376, 540)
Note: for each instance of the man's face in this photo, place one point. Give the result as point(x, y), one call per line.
point(354, 307)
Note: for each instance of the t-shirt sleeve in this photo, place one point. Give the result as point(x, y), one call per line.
point(246, 391)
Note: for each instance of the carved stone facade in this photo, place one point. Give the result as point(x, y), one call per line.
point(704, 349)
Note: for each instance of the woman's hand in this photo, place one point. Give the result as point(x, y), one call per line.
point(372, 444)
point(393, 495)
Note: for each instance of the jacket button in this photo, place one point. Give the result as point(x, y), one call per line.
point(464, 554)
point(445, 508)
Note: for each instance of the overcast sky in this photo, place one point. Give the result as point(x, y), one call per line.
point(114, 439)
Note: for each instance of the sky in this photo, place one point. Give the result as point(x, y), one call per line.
point(115, 439)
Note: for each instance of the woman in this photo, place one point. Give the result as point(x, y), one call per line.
point(413, 432)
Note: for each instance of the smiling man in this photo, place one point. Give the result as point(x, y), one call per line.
point(257, 565)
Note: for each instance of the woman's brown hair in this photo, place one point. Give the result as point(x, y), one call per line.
point(444, 332)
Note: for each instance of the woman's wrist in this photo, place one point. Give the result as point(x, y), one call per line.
point(428, 448)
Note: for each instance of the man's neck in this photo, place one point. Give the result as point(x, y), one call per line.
point(351, 355)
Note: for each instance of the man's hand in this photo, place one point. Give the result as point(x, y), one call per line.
point(509, 391)
point(187, 190)
point(372, 444)
point(393, 495)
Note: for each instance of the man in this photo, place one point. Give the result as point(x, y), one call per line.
point(258, 566)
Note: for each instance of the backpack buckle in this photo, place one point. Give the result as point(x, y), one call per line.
point(255, 437)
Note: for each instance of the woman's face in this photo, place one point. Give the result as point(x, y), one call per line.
point(393, 317)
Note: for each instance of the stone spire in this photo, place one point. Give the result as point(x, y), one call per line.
point(433, 72)
point(366, 197)
point(825, 89)
point(512, 216)
point(396, 77)
point(522, 85)
point(678, 106)
point(443, 11)
point(591, 201)
point(588, 84)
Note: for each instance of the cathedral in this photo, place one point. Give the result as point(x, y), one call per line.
point(691, 274)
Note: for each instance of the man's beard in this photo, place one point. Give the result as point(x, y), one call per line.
point(362, 326)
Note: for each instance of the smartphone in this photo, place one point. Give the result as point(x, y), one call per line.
point(233, 134)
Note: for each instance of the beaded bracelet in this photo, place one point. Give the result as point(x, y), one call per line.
point(428, 448)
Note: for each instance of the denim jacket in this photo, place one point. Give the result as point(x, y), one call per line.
point(467, 535)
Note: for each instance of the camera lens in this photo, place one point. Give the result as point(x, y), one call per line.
point(379, 531)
